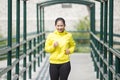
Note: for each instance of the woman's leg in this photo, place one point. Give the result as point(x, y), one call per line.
point(64, 71)
point(54, 72)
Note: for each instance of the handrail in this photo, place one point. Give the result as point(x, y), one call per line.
point(97, 56)
point(7, 49)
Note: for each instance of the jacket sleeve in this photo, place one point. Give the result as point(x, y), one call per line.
point(72, 44)
point(49, 45)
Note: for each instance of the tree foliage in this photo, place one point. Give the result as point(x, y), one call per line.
point(82, 35)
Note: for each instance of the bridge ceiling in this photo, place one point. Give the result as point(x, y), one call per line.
point(52, 2)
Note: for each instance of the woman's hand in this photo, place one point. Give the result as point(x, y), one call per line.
point(67, 51)
point(55, 44)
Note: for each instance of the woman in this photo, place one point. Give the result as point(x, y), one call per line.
point(60, 45)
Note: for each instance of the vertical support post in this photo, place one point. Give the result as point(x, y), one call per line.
point(44, 33)
point(38, 38)
point(101, 36)
point(91, 38)
point(34, 42)
point(41, 24)
point(93, 30)
point(91, 25)
point(117, 65)
point(92, 14)
point(9, 55)
point(37, 17)
point(92, 19)
point(111, 2)
point(105, 34)
point(42, 28)
point(24, 36)
point(30, 60)
point(97, 57)
point(17, 34)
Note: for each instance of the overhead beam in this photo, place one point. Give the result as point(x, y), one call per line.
point(52, 2)
point(101, 0)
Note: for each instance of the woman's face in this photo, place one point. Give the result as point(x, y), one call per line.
point(60, 26)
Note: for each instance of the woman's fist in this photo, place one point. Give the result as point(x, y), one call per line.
point(55, 44)
point(67, 51)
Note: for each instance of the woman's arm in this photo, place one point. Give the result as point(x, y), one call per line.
point(49, 47)
point(72, 45)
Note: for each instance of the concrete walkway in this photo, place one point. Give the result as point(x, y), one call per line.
point(81, 68)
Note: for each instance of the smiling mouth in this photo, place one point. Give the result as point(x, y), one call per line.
point(60, 30)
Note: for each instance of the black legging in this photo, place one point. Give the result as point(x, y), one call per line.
point(59, 71)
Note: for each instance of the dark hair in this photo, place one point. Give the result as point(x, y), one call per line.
point(60, 19)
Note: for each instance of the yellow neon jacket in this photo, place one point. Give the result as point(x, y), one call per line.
point(57, 54)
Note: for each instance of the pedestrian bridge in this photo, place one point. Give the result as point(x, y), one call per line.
point(22, 57)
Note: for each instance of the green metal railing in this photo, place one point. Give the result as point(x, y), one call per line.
point(30, 50)
point(106, 58)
